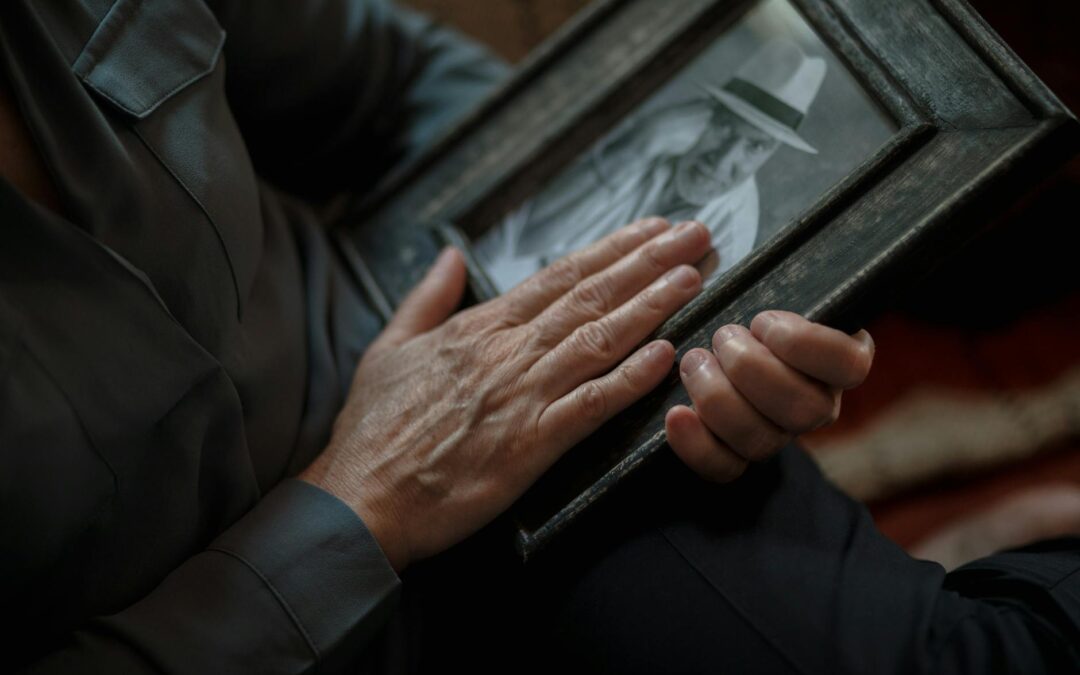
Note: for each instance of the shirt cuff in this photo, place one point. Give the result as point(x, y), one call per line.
point(320, 560)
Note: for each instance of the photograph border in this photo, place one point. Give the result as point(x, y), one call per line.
point(975, 129)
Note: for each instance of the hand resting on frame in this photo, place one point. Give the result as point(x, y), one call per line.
point(451, 416)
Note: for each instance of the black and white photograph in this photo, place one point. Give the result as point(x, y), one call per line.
point(743, 139)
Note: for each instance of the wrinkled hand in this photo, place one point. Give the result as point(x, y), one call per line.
point(451, 418)
point(758, 388)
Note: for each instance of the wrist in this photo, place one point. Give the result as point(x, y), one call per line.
point(379, 521)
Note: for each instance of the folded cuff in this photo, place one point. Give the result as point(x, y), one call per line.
point(319, 559)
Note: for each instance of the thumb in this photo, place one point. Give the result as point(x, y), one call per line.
point(430, 303)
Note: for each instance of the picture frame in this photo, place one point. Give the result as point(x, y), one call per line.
point(970, 128)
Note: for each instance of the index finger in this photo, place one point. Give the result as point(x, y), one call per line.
point(533, 295)
point(825, 354)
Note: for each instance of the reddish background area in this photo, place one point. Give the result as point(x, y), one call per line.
point(1004, 315)
point(1001, 316)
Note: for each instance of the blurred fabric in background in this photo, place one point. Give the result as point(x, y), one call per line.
point(511, 28)
point(975, 393)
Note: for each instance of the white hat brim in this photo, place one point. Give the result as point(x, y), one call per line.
point(761, 120)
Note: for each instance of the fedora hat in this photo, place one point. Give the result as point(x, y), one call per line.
point(773, 90)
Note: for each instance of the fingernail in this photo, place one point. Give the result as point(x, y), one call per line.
point(689, 231)
point(655, 350)
point(691, 362)
point(653, 226)
point(723, 334)
point(767, 319)
point(683, 276)
point(864, 337)
point(681, 233)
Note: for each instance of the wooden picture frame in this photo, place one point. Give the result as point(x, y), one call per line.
point(973, 128)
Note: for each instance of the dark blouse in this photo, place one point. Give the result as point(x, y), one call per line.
point(179, 345)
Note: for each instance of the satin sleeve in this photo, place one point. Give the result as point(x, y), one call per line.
point(297, 584)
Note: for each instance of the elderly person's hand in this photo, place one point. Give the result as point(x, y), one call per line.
point(451, 418)
point(758, 388)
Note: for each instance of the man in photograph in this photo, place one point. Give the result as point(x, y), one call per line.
point(690, 160)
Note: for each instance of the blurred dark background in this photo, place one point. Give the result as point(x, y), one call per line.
point(511, 28)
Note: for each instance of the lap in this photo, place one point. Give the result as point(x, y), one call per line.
point(778, 572)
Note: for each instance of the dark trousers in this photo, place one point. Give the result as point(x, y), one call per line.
point(776, 573)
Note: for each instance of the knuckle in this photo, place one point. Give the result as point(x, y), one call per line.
point(466, 328)
point(592, 402)
point(810, 412)
point(566, 271)
point(632, 237)
point(504, 312)
point(595, 341)
point(622, 246)
point(739, 364)
point(594, 296)
point(530, 288)
point(653, 258)
point(540, 337)
point(652, 301)
point(802, 417)
point(455, 327)
point(713, 405)
point(632, 377)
